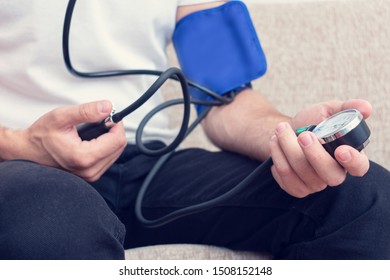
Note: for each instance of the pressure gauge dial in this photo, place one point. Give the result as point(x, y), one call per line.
point(344, 128)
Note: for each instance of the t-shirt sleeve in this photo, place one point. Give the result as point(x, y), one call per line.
point(193, 2)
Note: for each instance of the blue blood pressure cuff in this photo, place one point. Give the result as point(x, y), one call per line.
point(218, 48)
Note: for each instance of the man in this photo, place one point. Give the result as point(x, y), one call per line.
point(53, 184)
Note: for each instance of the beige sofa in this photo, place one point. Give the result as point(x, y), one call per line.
point(316, 51)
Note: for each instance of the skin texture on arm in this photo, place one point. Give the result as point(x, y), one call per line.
point(252, 126)
point(246, 126)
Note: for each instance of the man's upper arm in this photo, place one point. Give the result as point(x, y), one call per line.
point(183, 11)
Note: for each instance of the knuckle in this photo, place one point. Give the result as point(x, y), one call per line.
point(297, 190)
point(56, 116)
point(329, 107)
point(319, 187)
point(324, 112)
point(90, 175)
point(301, 165)
point(361, 170)
point(284, 170)
point(72, 160)
point(118, 139)
point(299, 193)
point(121, 141)
point(83, 162)
point(84, 112)
point(87, 162)
point(336, 180)
point(315, 156)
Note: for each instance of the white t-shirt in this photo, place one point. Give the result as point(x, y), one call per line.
point(105, 35)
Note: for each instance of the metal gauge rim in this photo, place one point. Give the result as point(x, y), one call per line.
point(355, 119)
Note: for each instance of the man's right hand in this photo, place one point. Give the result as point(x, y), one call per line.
point(53, 141)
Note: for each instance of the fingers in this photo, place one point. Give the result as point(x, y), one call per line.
point(293, 182)
point(95, 156)
point(363, 106)
point(108, 143)
point(70, 116)
point(355, 163)
point(334, 106)
point(302, 166)
point(94, 172)
point(89, 159)
point(291, 169)
point(322, 162)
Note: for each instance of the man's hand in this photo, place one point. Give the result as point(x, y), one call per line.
point(53, 140)
point(301, 165)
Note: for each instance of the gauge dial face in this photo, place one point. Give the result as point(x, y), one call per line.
point(342, 122)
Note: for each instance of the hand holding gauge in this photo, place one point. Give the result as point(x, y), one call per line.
point(304, 168)
point(343, 128)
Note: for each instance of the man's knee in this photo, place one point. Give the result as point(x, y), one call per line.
point(47, 213)
point(357, 216)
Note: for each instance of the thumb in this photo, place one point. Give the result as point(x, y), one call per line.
point(86, 113)
point(362, 105)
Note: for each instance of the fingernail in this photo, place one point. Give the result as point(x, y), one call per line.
point(345, 156)
point(104, 107)
point(274, 138)
point(280, 127)
point(305, 140)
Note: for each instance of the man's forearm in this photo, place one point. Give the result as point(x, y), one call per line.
point(245, 125)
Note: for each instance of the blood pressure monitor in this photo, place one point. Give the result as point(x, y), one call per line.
point(344, 128)
point(233, 31)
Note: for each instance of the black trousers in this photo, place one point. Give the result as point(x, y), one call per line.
point(47, 213)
